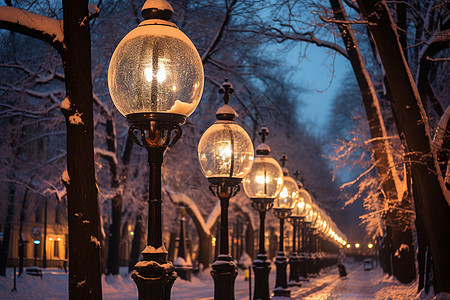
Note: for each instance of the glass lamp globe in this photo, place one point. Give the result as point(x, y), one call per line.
point(288, 196)
point(265, 179)
point(225, 151)
point(303, 205)
point(156, 69)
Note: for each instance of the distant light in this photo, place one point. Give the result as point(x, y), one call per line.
point(58, 239)
point(370, 246)
point(356, 245)
point(50, 239)
point(213, 241)
point(348, 245)
point(36, 242)
point(131, 233)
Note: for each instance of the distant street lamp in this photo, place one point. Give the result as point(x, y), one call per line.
point(370, 246)
point(298, 214)
point(357, 245)
point(225, 152)
point(155, 79)
point(282, 207)
point(262, 185)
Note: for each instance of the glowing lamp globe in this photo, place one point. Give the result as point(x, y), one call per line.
point(265, 179)
point(288, 196)
point(303, 205)
point(225, 150)
point(156, 69)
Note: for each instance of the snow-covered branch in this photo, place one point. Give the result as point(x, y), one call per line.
point(184, 200)
point(43, 28)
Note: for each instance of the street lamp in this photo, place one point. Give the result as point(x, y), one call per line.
point(262, 185)
point(225, 153)
point(299, 212)
point(155, 79)
point(282, 207)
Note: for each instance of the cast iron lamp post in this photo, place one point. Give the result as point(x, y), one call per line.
point(155, 79)
point(262, 185)
point(282, 207)
point(225, 152)
point(299, 212)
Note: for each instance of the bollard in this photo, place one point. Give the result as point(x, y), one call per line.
point(14, 288)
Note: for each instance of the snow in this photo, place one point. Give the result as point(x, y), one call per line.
point(159, 4)
point(75, 119)
point(33, 21)
point(151, 249)
point(65, 177)
point(183, 108)
point(359, 284)
point(181, 262)
point(65, 104)
point(95, 240)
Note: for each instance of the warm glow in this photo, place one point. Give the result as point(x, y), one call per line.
point(213, 241)
point(301, 205)
point(160, 76)
point(356, 245)
point(261, 179)
point(50, 239)
point(225, 151)
point(58, 239)
point(348, 245)
point(370, 246)
point(284, 193)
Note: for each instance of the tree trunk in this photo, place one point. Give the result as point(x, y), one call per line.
point(4, 249)
point(82, 197)
point(136, 243)
point(204, 250)
point(434, 209)
point(22, 220)
point(404, 266)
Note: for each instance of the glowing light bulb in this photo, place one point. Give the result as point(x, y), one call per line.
point(225, 152)
point(161, 75)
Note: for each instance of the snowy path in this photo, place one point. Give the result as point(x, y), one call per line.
point(359, 284)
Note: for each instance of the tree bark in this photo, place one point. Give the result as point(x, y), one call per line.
point(426, 175)
point(82, 197)
point(403, 266)
point(4, 249)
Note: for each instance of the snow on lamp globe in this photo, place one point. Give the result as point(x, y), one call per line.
point(262, 185)
point(155, 79)
point(225, 153)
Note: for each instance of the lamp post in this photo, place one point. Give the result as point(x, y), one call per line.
point(262, 185)
point(282, 207)
point(299, 212)
point(225, 153)
point(155, 79)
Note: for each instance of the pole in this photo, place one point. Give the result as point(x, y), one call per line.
point(155, 279)
point(281, 287)
point(14, 288)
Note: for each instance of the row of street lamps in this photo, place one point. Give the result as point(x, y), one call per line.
point(156, 80)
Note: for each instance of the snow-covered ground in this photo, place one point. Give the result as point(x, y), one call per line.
point(359, 284)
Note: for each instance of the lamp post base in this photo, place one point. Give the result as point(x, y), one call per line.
point(294, 272)
point(261, 267)
point(224, 273)
point(281, 288)
point(154, 275)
